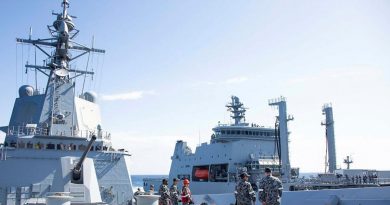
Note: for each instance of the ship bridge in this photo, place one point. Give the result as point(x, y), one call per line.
point(240, 130)
point(225, 133)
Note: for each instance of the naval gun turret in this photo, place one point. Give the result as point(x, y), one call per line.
point(77, 170)
point(77, 177)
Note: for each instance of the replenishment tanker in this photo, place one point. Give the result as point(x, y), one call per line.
point(213, 169)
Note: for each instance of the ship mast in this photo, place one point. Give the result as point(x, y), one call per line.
point(237, 110)
point(348, 161)
point(58, 108)
point(327, 110)
point(282, 120)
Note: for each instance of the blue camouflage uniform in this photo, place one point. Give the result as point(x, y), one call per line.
point(244, 193)
point(271, 190)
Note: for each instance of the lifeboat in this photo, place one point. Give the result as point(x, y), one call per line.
point(202, 173)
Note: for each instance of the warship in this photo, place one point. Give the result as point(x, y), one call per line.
point(55, 146)
point(214, 167)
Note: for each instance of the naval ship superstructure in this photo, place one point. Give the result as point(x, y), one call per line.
point(214, 167)
point(233, 148)
point(46, 127)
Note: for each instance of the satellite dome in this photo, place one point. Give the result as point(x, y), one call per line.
point(26, 90)
point(90, 96)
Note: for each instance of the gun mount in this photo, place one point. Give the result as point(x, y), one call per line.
point(76, 172)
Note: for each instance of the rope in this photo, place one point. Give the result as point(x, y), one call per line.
point(326, 149)
point(16, 68)
point(85, 75)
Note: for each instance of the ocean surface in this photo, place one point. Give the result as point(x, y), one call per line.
point(137, 179)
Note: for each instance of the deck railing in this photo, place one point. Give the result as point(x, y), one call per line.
point(31, 130)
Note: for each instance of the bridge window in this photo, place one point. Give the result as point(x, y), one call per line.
point(39, 146)
point(82, 147)
point(50, 146)
point(60, 147)
point(21, 144)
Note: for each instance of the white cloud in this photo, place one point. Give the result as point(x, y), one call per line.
point(236, 80)
point(132, 95)
point(201, 83)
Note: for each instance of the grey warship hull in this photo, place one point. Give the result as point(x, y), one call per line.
point(27, 174)
point(54, 141)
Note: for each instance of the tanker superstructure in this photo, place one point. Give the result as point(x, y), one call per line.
point(46, 127)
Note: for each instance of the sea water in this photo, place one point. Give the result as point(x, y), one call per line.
point(138, 182)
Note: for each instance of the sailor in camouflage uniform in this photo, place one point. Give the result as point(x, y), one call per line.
point(164, 193)
point(244, 192)
point(270, 189)
point(175, 192)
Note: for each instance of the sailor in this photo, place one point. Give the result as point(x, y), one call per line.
point(186, 196)
point(137, 193)
point(244, 192)
point(270, 189)
point(164, 193)
point(175, 192)
point(151, 190)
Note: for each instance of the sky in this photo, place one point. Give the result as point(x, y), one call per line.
point(171, 66)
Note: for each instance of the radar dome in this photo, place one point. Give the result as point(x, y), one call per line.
point(26, 90)
point(90, 96)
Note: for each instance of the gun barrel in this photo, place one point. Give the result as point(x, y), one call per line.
point(82, 158)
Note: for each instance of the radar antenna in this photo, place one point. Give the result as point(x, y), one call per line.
point(348, 161)
point(57, 112)
point(237, 110)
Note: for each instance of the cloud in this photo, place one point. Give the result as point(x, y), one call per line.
point(201, 83)
point(236, 80)
point(132, 95)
